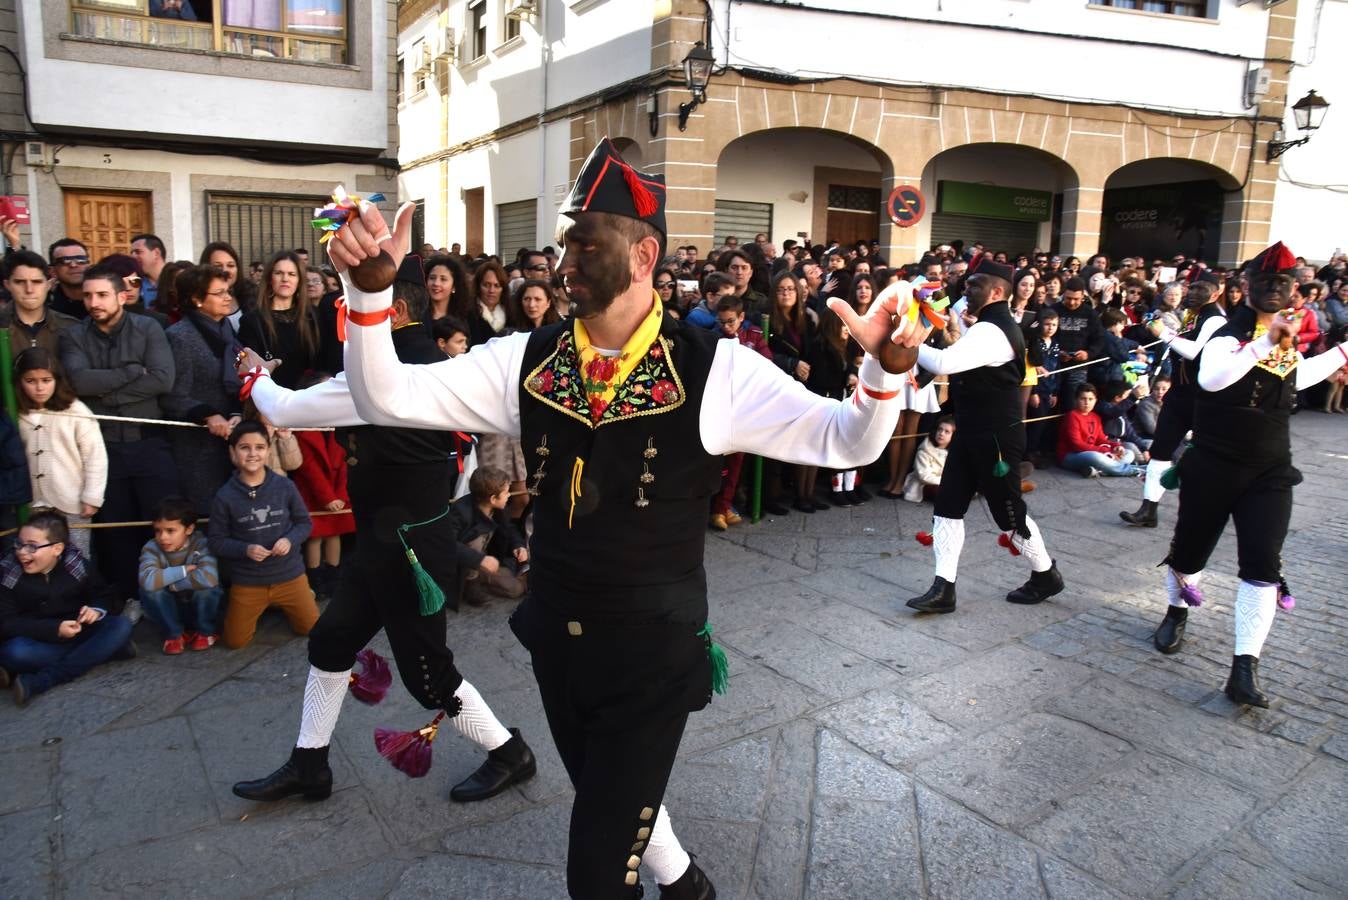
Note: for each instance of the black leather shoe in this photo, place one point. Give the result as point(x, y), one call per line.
point(693, 884)
point(859, 494)
point(939, 598)
point(1170, 634)
point(508, 764)
point(1145, 517)
point(802, 504)
point(1243, 685)
point(1039, 588)
point(306, 773)
point(776, 508)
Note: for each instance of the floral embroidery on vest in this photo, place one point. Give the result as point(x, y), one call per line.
point(653, 387)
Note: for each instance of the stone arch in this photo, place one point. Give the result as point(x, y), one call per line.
point(1160, 205)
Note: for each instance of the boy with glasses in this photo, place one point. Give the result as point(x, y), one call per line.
point(58, 619)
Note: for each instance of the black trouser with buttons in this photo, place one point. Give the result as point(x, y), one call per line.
point(617, 696)
point(376, 588)
point(969, 470)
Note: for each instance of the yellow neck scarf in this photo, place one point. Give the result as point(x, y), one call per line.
point(602, 374)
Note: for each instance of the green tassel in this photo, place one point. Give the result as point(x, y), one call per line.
point(720, 664)
point(432, 598)
point(1001, 468)
point(1170, 478)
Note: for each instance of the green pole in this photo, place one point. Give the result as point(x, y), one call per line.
point(11, 400)
point(756, 503)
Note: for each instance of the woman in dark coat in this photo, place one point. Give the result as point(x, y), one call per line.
point(205, 385)
point(284, 324)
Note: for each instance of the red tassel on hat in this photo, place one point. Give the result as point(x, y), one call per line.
point(924, 538)
point(409, 751)
point(1279, 257)
point(1004, 540)
point(642, 197)
point(374, 679)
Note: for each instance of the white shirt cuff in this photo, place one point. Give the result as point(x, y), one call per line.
point(359, 301)
point(873, 376)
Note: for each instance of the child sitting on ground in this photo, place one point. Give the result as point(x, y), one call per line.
point(490, 548)
point(1083, 445)
point(258, 522)
point(925, 479)
point(1115, 409)
point(178, 574)
point(58, 618)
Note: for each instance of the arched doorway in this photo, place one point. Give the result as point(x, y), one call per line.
point(1007, 197)
point(1158, 208)
point(631, 151)
point(799, 184)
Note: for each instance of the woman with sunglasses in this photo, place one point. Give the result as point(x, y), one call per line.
point(667, 288)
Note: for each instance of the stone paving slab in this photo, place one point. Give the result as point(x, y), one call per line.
point(862, 750)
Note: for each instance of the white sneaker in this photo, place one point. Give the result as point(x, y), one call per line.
point(1092, 472)
point(132, 611)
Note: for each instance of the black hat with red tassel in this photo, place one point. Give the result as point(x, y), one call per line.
point(608, 184)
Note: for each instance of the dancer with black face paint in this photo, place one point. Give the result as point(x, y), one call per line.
point(1240, 464)
point(625, 414)
point(989, 442)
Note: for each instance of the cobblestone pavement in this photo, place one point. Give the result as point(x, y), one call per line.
point(861, 752)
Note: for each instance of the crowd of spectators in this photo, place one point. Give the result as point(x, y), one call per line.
point(138, 341)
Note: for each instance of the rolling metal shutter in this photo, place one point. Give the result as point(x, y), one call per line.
point(741, 218)
point(258, 225)
point(996, 234)
point(516, 227)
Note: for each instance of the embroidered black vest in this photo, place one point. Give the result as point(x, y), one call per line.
point(989, 396)
point(1249, 419)
point(621, 503)
point(1186, 373)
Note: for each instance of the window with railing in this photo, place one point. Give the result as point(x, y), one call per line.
point(304, 30)
point(1199, 9)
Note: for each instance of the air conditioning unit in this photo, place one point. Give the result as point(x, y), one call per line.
point(445, 45)
point(423, 56)
point(521, 9)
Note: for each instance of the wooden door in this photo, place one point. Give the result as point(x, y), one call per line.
point(106, 220)
point(474, 207)
point(849, 226)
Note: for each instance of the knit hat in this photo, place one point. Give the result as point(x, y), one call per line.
point(606, 183)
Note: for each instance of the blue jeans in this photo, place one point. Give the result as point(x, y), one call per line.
point(1079, 462)
point(49, 663)
point(203, 608)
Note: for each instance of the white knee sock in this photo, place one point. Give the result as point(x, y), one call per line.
point(850, 480)
point(1032, 547)
point(1151, 488)
point(1173, 585)
point(947, 540)
point(837, 482)
point(1256, 603)
point(664, 854)
point(476, 721)
point(323, 696)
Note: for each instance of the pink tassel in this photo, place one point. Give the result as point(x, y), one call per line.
point(1004, 540)
point(924, 538)
point(1191, 594)
point(408, 751)
point(373, 682)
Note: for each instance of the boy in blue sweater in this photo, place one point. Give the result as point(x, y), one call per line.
point(258, 523)
point(178, 573)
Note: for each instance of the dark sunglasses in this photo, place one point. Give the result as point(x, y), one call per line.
point(664, 284)
point(70, 260)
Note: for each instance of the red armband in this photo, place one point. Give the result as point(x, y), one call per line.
point(250, 378)
point(873, 394)
point(357, 318)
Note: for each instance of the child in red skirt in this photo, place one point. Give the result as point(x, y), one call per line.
point(321, 479)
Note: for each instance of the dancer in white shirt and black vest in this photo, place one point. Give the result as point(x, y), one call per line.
point(1203, 316)
point(989, 442)
point(624, 414)
point(1240, 465)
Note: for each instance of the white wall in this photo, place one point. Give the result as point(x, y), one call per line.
point(933, 44)
point(96, 96)
point(423, 183)
point(1310, 210)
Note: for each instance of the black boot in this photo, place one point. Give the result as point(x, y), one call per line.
point(1039, 588)
point(939, 598)
point(508, 764)
point(1243, 685)
point(305, 773)
point(1169, 634)
point(692, 885)
point(1145, 517)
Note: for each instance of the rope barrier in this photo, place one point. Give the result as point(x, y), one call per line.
point(133, 420)
point(94, 526)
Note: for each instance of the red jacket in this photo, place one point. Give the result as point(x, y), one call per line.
point(751, 336)
point(321, 477)
point(1080, 433)
point(1309, 332)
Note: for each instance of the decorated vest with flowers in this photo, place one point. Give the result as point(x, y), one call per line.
point(1249, 420)
point(621, 480)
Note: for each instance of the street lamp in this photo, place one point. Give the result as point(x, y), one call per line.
point(1308, 113)
point(697, 66)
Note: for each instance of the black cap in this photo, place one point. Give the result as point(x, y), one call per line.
point(607, 184)
point(1274, 259)
point(410, 270)
point(987, 266)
